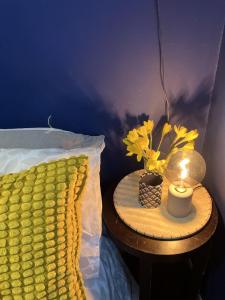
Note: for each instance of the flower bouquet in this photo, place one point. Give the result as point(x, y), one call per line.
point(139, 142)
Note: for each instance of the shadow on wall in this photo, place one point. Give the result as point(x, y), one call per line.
point(90, 114)
point(191, 110)
point(83, 110)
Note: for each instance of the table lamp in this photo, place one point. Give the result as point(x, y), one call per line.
point(185, 169)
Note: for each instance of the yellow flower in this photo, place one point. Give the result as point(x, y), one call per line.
point(152, 154)
point(129, 153)
point(143, 142)
point(180, 131)
point(132, 135)
point(160, 167)
point(166, 129)
point(149, 125)
point(126, 142)
point(191, 135)
point(139, 143)
point(151, 165)
point(189, 146)
point(183, 135)
point(133, 149)
point(138, 148)
point(152, 157)
point(142, 130)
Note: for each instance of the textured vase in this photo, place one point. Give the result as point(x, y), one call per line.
point(150, 190)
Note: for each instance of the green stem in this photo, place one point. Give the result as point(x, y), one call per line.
point(145, 163)
point(150, 141)
point(160, 143)
point(181, 142)
point(174, 143)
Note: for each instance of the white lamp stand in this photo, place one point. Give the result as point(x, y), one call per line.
point(179, 201)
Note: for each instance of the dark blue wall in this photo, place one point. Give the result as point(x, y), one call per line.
point(93, 65)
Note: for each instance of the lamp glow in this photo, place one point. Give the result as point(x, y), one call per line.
point(185, 169)
point(183, 174)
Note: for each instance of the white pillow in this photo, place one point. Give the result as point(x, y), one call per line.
point(17, 159)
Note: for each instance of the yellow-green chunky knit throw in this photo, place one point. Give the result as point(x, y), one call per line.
point(40, 231)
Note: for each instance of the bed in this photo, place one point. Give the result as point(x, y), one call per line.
point(104, 274)
point(114, 280)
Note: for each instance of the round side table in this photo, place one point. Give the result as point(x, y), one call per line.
point(195, 249)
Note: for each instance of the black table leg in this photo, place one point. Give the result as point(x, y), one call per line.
point(199, 263)
point(145, 278)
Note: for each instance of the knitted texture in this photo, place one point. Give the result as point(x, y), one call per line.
point(40, 231)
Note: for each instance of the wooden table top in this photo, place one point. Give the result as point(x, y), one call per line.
point(138, 244)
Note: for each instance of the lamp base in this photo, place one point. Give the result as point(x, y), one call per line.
point(179, 202)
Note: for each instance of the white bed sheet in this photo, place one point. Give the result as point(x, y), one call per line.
point(22, 148)
point(114, 281)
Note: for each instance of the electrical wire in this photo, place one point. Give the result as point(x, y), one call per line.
point(161, 61)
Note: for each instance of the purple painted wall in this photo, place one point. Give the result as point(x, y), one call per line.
point(214, 150)
point(214, 146)
point(93, 65)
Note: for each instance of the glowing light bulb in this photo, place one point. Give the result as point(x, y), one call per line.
point(183, 174)
point(185, 169)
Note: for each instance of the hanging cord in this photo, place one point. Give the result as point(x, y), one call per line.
point(161, 61)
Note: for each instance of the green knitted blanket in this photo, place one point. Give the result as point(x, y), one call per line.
point(40, 231)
